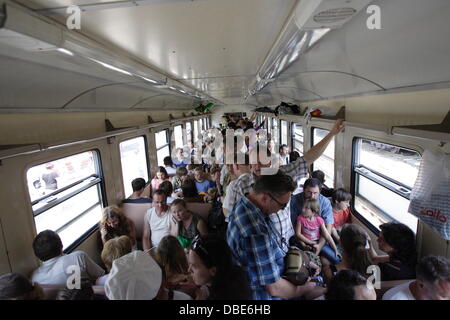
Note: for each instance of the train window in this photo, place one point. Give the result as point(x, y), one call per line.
point(326, 160)
point(275, 129)
point(383, 178)
point(188, 133)
point(195, 130)
point(178, 134)
point(162, 146)
point(297, 138)
point(284, 132)
point(133, 157)
point(66, 195)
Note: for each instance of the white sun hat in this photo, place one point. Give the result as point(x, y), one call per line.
point(135, 276)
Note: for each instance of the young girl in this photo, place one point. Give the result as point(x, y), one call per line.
point(311, 227)
point(160, 176)
point(340, 201)
point(187, 225)
point(173, 260)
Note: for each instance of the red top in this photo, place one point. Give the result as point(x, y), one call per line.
point(341, 217)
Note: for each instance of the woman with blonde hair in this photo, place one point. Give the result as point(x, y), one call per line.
point(115, 224)
point(112, 250)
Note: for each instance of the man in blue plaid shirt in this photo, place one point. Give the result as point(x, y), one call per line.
point(256, 243)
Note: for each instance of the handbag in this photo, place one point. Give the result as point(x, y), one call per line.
point(299, 266)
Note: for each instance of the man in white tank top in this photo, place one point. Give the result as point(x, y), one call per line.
point(157, 221)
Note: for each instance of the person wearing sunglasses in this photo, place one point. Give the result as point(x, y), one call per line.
point(296, 170)
point(257, 244)
point(213, 270)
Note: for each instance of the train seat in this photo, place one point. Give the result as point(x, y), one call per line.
point(202, 209)
point(136, 213)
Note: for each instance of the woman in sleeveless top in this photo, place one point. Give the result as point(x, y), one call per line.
point(186, 225)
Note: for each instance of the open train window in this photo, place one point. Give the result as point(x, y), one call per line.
point(284, 132)
point(178, 135)
point(133, 157)
point(195, 130)
point(297, 138)
point(66, 196)
point(383, 176)
point(326, 160)
point(162, 146)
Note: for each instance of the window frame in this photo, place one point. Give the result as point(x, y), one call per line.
point(373, 178)
point(293, 140)
point(146, 157)
point(99, 181)
point(174, 136)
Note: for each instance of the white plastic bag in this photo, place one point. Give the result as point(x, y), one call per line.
point(430, 196)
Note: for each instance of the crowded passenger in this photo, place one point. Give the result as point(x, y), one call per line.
point(257, 245)
point(172, 258)
point(167, 187)
point(355, 256)
point(115, 224)
point(180, 176)
point(160, 176)
point(324, 189)
point(399, 243)
point(15, 286)
point(169, 166)
point(311, 228)
point(180, 160)
point(432, 282)
point(141, 192)
point(157, 221)
point(201, 183)
point(349, 285)
point(189, 192)
point(340, 202)
point(311, 191)
point(283, 155)
point(137, 276)
point(112, 250)
point(213, 269)
point(187, 225)
point(48, 248)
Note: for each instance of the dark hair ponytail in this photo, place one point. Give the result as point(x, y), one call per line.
point(353, 241)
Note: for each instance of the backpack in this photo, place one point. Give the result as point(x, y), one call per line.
point(216, 220)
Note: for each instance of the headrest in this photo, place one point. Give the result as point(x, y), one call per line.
point(134, 276)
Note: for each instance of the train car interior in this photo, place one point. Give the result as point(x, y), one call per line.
point(101, 91)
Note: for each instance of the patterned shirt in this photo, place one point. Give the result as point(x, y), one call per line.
point(256, 245)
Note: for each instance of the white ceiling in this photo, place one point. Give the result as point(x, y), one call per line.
point(217, 46)
point(213, 45)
